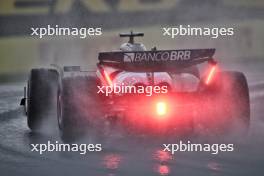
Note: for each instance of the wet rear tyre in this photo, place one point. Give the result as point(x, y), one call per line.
point(229, 102)
point(237, 94)
point(41, 97)
point(77, 101)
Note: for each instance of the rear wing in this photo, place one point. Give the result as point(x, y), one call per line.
point(159, 60)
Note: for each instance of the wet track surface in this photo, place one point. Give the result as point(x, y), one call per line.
point(123, 155)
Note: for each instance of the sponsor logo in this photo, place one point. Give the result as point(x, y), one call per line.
point(129, 57)
point(160, 56)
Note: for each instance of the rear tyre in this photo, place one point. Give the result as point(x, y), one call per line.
point(229, 105)
point(42, 93)
point(77, 107)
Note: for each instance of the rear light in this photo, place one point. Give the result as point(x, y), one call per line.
point(161, 108)
point(107, 78)
point(210, 75)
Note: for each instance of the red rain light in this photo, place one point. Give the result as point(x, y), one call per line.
point(161, 108)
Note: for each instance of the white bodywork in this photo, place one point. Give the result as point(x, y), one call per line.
point(133, 78)
point(178, 82)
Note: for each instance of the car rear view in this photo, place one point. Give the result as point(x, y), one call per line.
point(143, 91)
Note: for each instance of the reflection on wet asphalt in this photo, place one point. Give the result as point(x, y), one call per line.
point(125, 155)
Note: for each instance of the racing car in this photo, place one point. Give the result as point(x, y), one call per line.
point(159, 91)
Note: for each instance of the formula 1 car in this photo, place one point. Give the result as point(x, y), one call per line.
point(155, 91)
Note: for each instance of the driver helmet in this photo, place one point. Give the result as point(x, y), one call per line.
point(132, 47)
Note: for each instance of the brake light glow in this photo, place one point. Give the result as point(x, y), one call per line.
point(210, 75)
point(108, 79)
point(161, 108)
